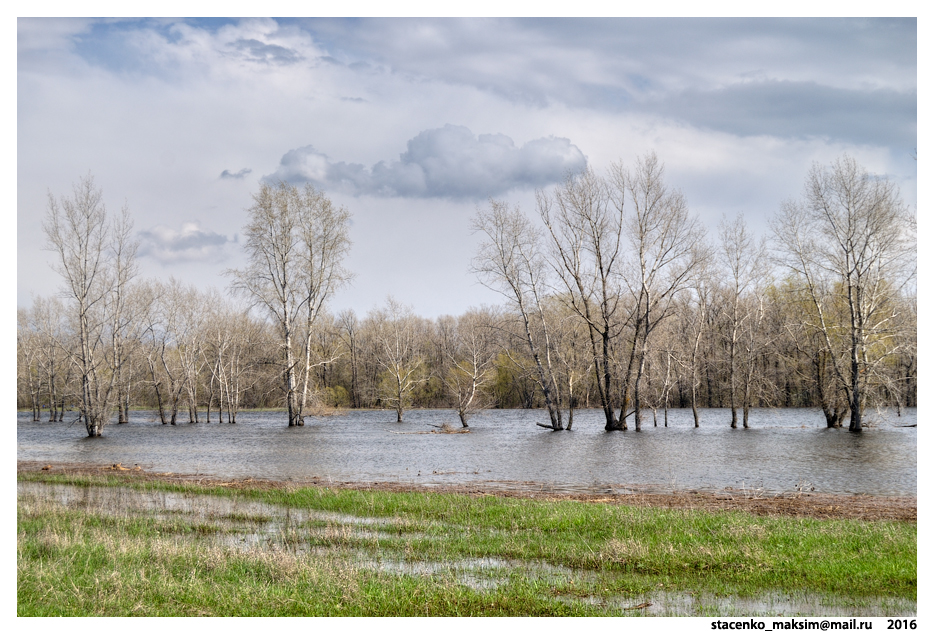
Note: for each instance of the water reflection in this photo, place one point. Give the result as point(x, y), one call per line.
point(784, 449)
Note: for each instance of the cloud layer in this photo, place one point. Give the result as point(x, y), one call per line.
point(442, 162)
point(189, 244)
point(170, 114)
point(783, 77)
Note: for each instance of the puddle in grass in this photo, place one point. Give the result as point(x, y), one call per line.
point(775, 604)
point(248, 525)
point(118, 500)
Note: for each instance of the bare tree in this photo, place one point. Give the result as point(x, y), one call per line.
point(165, 333)
point(469, 348)
point(510, 261)
point(296, 243)
point(397, 333)
point(744, 261)
point(793, 314)
point(666, 247)
point(849, 241)
point(95, 259)
point(667, 350)
point(350, 334)
point(234, 349)
point(52, 337)
point(753, 342)
point(325, 242)
point(695, 318)
point(28, 352)
point(571, 340)
point(587, 240)
point(189, 340)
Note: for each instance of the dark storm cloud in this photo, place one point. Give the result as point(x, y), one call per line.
point(191, 243)
point(227, 174)
point(442, 162)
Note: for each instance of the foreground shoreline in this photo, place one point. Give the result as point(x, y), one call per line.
point(132, 542)
point(794, 504)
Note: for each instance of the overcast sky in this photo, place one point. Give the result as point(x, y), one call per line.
point(413, 124)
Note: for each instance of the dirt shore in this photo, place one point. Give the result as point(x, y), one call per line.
point(800, 504)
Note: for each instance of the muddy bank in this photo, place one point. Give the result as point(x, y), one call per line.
point(799, 504)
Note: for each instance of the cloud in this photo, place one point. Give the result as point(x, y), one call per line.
point(227, 174)
point(860, 73)
point(257, 51)
point(441, 162)
point(800, 109)
point(189, 244)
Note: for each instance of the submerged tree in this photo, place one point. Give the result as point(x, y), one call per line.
point(666, 249)
point(587, 242)
point(398, 337)
point(95, 257)
point(849, 242)
point(469, 352)
point(296, 243)
point(744, 261)
point(510, 261)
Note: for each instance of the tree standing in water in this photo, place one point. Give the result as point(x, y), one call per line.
point(95, 257)
point(296, 243)
point(849, 241)
point(510, 261)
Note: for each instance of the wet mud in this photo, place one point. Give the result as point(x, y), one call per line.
point(795, 503)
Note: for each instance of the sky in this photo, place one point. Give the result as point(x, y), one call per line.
point(413, 124)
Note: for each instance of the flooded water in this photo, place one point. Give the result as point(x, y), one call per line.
point(784, 450)
point(249, 526)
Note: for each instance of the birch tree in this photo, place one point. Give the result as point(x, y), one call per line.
point(398, 339)
point(587, 240)
point(296, 241)
point(666, 248)
point(744, 261)
point(95, 258)
point(510, 261)
point(469, 349)
point(849, 241)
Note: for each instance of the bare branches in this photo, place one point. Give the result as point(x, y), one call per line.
point(95, 258)
point(398, 335)
point(848, 241)
point(296, 243)
point(510, 261)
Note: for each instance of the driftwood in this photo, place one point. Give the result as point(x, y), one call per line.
point(444, 428)
point(542, 425)
point(121, 468)
point(447, 428)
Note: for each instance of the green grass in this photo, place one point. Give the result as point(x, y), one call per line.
point(551, 556)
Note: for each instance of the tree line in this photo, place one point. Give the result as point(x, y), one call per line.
point(615, 298)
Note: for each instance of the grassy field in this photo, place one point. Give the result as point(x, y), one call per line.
point(155, 548)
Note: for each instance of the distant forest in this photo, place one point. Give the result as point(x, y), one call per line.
point(615, 297)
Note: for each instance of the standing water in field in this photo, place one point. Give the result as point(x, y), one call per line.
point(785, 450)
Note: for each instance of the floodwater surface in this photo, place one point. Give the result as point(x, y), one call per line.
point(785, 450)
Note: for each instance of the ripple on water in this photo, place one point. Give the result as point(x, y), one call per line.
point(783, 449)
